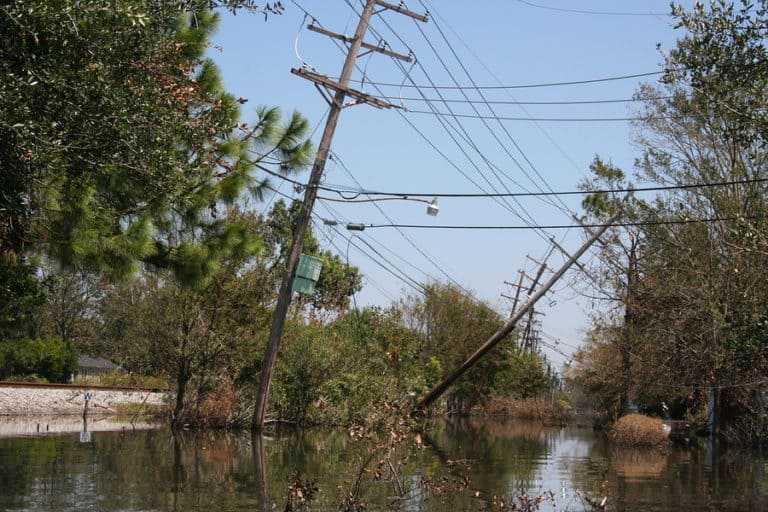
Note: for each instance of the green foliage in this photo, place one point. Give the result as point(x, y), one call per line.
point(433, 371)
point(118, 143)
point(526, 376)
point(453, 326)
point(51, 359)
point(693, 293)
point(120, 378)
point(334, 373)
point(22, 295)
point(723, 59)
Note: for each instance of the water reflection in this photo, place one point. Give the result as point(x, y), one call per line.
point(159, 471)
point(503, 457)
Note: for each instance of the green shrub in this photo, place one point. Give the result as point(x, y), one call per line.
point(131, 380)
point(51, 359)
point(31, 377)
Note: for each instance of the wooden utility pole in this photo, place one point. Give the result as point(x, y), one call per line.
point(336, 103)
point(519, 287)
point(509, 326)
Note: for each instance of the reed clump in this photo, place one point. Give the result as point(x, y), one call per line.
point(637, 430)
point(529, 409)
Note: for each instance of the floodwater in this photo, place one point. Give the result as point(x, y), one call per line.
point(466, 465)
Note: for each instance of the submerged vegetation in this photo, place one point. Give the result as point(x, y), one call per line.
point(638, 431)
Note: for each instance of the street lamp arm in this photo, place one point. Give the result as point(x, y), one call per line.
point(432, 207)
point(375, 199)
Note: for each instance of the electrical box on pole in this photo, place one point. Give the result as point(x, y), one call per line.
point(336, 94)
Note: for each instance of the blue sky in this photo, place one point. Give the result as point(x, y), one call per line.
point(487, 45)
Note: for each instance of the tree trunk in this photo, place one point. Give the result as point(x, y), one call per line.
point(181, 388)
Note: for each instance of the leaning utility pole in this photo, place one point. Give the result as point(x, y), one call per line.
point(509, 326)
point(336, 103)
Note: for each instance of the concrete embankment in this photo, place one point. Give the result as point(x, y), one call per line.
point(21, 400)
point(39, 410)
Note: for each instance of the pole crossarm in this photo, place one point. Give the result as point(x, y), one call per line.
point(327, 82)
point(367, 46)
point(403, 10)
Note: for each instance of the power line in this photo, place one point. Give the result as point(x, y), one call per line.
point(600, 13)
point(404, 235)
point(405, 195)
point(464, 134)
point(384, 246)
point(428, 6)
point(500, 124)
point(491, 167)
point(400, 276)
point(516, 102)
point(659, 188)
point(553, 226)
point(508, 93)
point(543, 119)
point(518, 86)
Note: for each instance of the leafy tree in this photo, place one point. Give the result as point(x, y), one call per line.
point(614, 279)
point(22, 295)
point(453, 324)
point(71, 309)
point(51, 359)
point(193, 336)
point(119, 144)
point(525, 377)
point(722, 59)
point(699, 295)
point(338, 372)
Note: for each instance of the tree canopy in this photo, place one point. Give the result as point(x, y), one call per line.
point(117, 137)
point(693, 287)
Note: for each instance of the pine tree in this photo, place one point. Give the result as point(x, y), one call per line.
point(118, 143)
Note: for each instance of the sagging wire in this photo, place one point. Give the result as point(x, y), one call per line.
point(304, 63)
point(406, 78)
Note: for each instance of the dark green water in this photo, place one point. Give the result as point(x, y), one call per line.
point(156, 471)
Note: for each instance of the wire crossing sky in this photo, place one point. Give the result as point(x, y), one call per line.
point(500, 112)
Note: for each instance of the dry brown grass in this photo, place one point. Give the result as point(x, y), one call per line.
point(219, 408)
point(639, 431)
point(530, 409)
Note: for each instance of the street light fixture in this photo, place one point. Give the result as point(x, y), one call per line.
point(432, 207)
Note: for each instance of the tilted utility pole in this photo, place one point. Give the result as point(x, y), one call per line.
point(509, 326)
point(336, 103)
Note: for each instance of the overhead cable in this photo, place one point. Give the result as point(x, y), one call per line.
point(599, 13)
point(405, 195)
point(555, 226)
point(500, 124)
point(519, 86)
point(516, 102)
point(405, 236)
point(543, 119)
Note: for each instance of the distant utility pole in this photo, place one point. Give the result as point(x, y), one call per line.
point(502, 333)
point(336, 103)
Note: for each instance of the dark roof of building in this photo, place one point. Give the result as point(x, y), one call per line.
point(86, 361)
